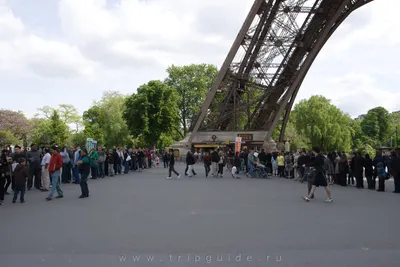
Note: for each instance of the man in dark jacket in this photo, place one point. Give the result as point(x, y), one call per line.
point(190, 161)
point(172, 165)
point(214, 162)
point(35, 168)
point(395, 168)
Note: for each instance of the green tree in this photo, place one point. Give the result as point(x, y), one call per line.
point(152, 111)
point(7, 138)
point(70, 115)
point(296, 140)
point(92, 119)
point(376, 125)
point(78, 139)
point(58, 129)
point(53, 129)
point(323, 124)
point(115, 129)
point(395, 128)
point(41, 132)
point(192, 84)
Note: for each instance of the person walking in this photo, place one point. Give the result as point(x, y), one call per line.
point(319, 176)
point(214, 162)
point(172, 165)
point(207, 163)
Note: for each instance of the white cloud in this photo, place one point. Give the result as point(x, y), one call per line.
point(100, 48)
point(23, 51)
point(356, 93)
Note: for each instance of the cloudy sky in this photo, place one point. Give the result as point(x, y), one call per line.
point(71, 51)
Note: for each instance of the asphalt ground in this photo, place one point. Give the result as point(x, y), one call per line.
point(143, 219)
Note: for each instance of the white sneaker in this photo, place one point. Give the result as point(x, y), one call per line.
point(179, 176)
point(328, 200)
point(168, 178)
point(307, 199)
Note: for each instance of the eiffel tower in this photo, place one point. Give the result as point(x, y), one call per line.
point(258, 82)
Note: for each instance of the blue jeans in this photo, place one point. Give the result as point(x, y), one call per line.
point(126, 167)
point(76, 174)
point(251, 169)
point(84, 185)
point(101, 170)
point(55, 181)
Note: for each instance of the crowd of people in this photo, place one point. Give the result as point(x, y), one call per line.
point(45, 169)
point(314, 167)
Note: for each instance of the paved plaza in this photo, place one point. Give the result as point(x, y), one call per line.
point(142, 219)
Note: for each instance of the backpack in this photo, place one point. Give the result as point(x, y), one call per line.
point(380, 168)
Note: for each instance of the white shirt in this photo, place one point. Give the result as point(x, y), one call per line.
point(46, 159)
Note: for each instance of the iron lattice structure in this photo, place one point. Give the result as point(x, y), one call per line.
point(261, 76)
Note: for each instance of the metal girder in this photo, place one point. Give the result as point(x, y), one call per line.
point(267, 63)
point(355, 4)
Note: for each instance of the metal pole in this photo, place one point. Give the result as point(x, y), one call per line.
point(397, 131)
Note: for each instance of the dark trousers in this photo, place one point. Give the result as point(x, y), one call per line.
point(281, 171)
point(342, 178)
point(126, 167)
point(66, 173)
point(140, 163)
point(370, 182)
point(359, 180)
point(101, 173)
point(166, 164)
point(84, 185)
point(2, 181)
point(37, 182)
point(94, 172)
point(397, 183)
point(381, 183)
point(8, 179)
point(207, 168)
point(172, 169)
point(106, 168)
point(16, 192)
point(350, 179)
point(302, 171)
point(220, 169)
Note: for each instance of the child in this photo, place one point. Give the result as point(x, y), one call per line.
point(20, 176)
point(234, 171)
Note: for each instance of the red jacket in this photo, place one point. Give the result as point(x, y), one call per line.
point(56, 163)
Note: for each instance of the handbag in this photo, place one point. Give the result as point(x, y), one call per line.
point(128, 158)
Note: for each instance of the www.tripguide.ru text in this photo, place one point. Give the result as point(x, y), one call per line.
point(193, 258)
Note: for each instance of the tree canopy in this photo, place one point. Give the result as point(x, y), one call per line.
point(192, 84)
point(152, 111)
point(15, 123)
point(376, 125)
point(323, 124)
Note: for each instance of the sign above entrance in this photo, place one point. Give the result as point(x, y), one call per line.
point(246, 137)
